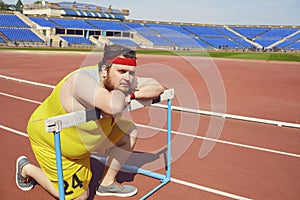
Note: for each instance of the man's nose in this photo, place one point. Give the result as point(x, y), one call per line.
point(126, 76)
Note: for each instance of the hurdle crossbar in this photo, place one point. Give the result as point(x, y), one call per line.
point(58, 123)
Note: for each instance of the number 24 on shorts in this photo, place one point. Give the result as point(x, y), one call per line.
point(76, 182)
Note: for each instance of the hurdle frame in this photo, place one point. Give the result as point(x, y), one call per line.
point(56, 124)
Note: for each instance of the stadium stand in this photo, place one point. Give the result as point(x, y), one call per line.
point(76, 40)
point(150, 35)
point(71, 24)
point(176, 35)
point(216, 37)
point(250, 32)
point(2, 40)
point(273, 35)
point(20, 35)
point(125, 42)
point(9, 20)
point(44, 22)
point(107, 25)
point(290, 42)
point(14, 31)
point(295, 45)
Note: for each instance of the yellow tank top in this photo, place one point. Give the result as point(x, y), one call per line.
point(75, 141)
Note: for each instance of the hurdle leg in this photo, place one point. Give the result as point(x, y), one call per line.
point(167, 177)
point(169, 158)
point(59, 165)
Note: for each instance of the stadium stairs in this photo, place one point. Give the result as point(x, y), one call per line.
point(95, 41)
point(160, 35)
point(282, 40)
point(199, 38)
point(143, 42)
point(4, 37)
point(139, 39)
point(244, 37)
point(33, 26)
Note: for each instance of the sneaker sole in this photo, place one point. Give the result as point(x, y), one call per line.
point(18, 160)
point(117, 194)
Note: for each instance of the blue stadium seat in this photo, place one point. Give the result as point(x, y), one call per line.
point(72, 23)
point(265, 42)
point(286, 43)
point(242, 42)
point(2, 40)
point(149, 34)
point(43, 22)
point(250, 32)
point(139, 28)
point(125, 42)
point(227, 32)
point(165, 29)
point(203, 31)
point(278, 33)
point(294, 46)
point(20, 34)
point(156, 40)
point(184, 41)
point(107, 25)
point(221, 42)
point(76, 40)
point(9, 20)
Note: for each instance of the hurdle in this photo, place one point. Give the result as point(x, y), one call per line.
point(56, 124)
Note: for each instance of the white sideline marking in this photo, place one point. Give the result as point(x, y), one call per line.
point(20, 98)
point(199, 187)
point(189, 110)
point(207, 189)
point(230, 116)
point(25, 81)
point(223, 141)
point(13, 130)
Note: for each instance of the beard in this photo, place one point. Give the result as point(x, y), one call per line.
point(108, 83)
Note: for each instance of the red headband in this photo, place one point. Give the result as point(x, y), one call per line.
point(123, 61)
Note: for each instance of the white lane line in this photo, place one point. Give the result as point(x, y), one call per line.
point(193, 185)
point(25, 81)
point(13, 130)
point(207, 189)
point(20, 98)
point(223, 141)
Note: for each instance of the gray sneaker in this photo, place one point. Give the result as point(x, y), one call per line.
point(116, 189)
point(24, 184)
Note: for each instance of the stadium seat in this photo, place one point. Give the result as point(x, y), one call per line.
point(125, 42)
point(72, 23)
point(76, 40)
point(44, 22)
point(10, 20)
point(20, 35)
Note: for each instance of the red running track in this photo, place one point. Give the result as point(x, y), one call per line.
point(250, 160)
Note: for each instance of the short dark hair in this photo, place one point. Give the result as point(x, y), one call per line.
point(113, 51)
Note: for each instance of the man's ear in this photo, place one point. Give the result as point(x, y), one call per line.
point(104, 71)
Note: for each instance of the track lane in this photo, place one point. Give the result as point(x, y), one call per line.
point(234, 131)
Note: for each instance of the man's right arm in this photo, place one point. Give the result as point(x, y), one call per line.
point(87, 92)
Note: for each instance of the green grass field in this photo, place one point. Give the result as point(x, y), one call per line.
point(293, 57)
point(240, 55)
